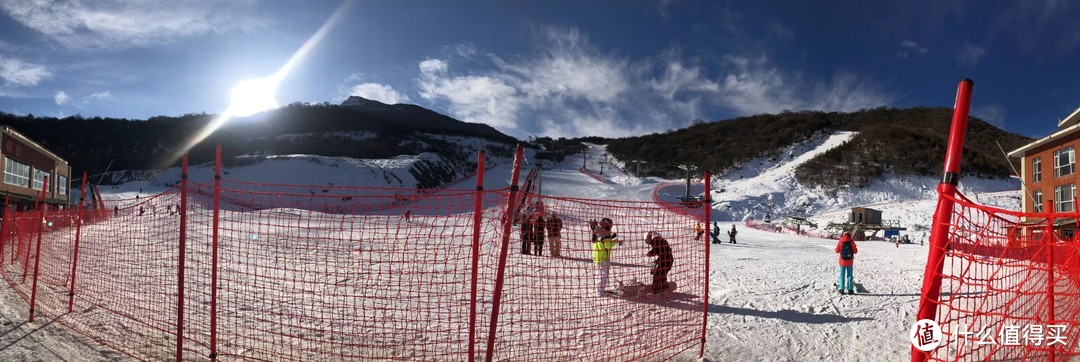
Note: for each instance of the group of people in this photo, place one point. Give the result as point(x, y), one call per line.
point(715, 233)
point(604, 240)
point(533, 229)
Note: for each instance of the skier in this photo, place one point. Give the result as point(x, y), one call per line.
point(731, 234)
point(526, 234)
point(408, 213)
point(715, 233)
point(538, 235)
point(603, 240)
point(659, 248)
point(847, 249)
point(698, 231)
point(554, 226)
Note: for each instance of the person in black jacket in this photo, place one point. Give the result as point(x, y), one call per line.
point(664, 260)
point(526, 234)
point(538, 235)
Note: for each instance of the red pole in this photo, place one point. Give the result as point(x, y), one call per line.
point(705, 302)
point(78, 230)
point(214, 263)
point(180, 267)
point(1049, 241)
point(475, 252)
point(3, 220)
point(931, 289)
point(37, 253)
point(508, 221)
point(26, 261)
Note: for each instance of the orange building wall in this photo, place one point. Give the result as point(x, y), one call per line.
point(1049, 181)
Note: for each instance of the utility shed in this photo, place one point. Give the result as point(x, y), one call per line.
point(865, 215)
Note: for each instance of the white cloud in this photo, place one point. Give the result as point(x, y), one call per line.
point(100, 96)
point(124, 23)
point(567, 90)
point(571, 89)
point(480, 99)
point(969, 55)
point(991, 113)
point(379, 92)
point(755, 86)
point(61, 98)
point(909, 48)
point(780, 30)
point(16, 72)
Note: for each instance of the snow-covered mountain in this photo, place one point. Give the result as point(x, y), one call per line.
point(765, 188)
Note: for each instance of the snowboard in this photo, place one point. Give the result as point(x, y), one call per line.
point(859, 289)
point(640, 290)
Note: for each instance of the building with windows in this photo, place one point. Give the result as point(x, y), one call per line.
point(26, 165)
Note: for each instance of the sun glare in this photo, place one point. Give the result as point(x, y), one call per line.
point(252, 96)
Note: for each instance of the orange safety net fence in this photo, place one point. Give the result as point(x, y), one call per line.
point(1010, 285)
point(357, 273)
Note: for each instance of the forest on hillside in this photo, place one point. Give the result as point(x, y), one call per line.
point(888, 140)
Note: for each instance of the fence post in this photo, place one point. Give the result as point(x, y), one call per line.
point(708, 220)
point(3, 220)
point(508, 221)
point(180, 266)
point(931, 288)
point(1048, 243)
point(37, 254)
point(78, 230)
point(29, 242)
point(477, 211)
point(214, 262)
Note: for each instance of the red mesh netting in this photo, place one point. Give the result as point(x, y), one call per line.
point(310, 273)
point(1010, 286)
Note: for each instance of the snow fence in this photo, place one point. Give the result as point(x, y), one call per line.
point(245, 271)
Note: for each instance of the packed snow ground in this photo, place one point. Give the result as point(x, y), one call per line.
point(772, 295)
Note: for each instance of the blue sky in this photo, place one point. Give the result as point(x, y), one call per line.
point(555, 68)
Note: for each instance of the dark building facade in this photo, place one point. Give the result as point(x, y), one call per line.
point(26, 165)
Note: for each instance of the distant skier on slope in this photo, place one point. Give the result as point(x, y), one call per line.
point(715, 233)
point(698, 231)
point(847, 249)
point(731, 234)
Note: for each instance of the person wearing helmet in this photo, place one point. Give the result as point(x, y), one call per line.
point(658, 247)
point(603, 241)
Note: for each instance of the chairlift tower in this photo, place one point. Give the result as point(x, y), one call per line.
point(688, 168)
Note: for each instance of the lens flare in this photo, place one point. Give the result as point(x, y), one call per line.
point(257, 95)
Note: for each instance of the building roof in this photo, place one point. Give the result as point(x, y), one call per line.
point(35, 144)
point(1072, 120)
point(1064, 132)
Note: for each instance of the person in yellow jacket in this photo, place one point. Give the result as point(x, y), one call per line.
point(698, 231)
point(603, 241)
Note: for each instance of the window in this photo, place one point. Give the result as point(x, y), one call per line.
point(61, 185)
point(39, 179)
point(1036, 170)
point(1063, 197)
point(1064, 162)
point(16, 173)
point(1037, 201)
